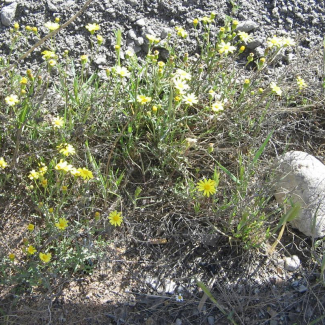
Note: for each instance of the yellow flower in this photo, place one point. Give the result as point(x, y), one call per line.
point(92, 28)
point(3, 164)
point(85, 173)
point(100, 39)
point(51, 210)
point(276, 89)
point(181, 32)
point(217, 106)
point(226, 48)
point(115, 218)
point(58, 122)
point(11, 256)
point(52, 63)
point(64, 188)
point(208, 187)
point(74, 171)
point(180, 85)
point(161, 64)
point(190, 99)
point(12, 100)
point(52, 26)
point(152, 39)
point(44, 182)
point(66, 149)
point(34, 175)
point(97, 215)
point(34, 30)
point(23, 81)
point(274, 42)
point(31, 250)
point(301, 83)
point(42, 170)
point(16, 26)
point(47, 55)
point(154, 108)
point(84, 59)
point(62, 224)
point(247, 81)
point(244, 37)
point(63, 165)
point(45, 257)
point(143, 99)
point(195, 22)
point(122, 71)
point(287, 42)
point(57, 19)
point(182, 74)
point(30, 227)
point(206, 20)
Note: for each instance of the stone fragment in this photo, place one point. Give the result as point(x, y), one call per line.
point(8, 14)
point(246, 26)
point(211, 320)
point(170, 286)
point(178, 321)
point(141, 22)
point(51, 6)
point(292, 263)
point(300, 179)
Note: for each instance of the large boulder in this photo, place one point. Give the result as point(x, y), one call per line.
point(300, 178)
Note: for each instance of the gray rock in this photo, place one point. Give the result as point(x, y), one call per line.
point(132, 2)
point(164, 33)
point(101, 59)
point(139, 41)
point(300, 179)
point(8, 14)
point(178, 321)
point(292, 263)
point(170, 286)
point(131, 34)
point(152, 282)
point(141, 22)
point(51, 6)
point(302, 288)
point(254, 44)
point(247, 26)
point(211, 320)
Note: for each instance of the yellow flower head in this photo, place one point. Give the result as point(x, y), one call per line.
point(11, 256)
point(23, 81)
point(16, 26)
point(30, 227)
point(52, 62)
point(63, 166)
point(85, 173)
point(143, 99)
point(45, 257)
point(100, 39)
point(47, 55)
point(300, 82)
point(52, 26)
point(34, 175)
point(208, 187)
point(66, 149)
point(226, 48)
point(12, 100)
point(206, 20)
point(274, 42)
point(190, 99)
point(122, 71)
point(276, 89)
point(181, 32)
point(115, 218)
point(58, 122)
point(244, 37)
point(217, 106)
point(31, 250)
point(152, 39)
point(62, 224)
point(3, 164)
point(182, 74)
point(180, 85)
point(92, 28)
point(84, 58)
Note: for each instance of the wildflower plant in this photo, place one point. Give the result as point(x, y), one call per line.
point(188, 127)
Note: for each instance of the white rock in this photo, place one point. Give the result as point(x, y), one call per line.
point(141, 22)
point(291, 263)
point(301, 179)
point(8, 14)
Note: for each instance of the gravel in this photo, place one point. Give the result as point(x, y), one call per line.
point(262, 19)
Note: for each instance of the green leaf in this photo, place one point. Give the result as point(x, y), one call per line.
point(232, 176)
point(261, 149)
